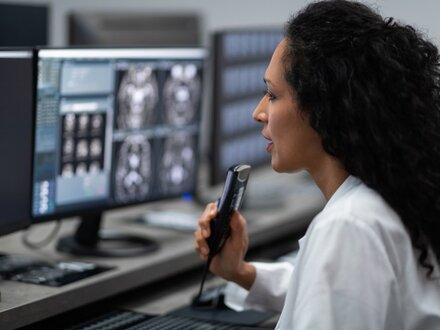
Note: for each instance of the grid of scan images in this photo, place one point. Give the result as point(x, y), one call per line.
point(82, 144)
point(156, 114)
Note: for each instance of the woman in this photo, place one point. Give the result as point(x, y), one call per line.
point(353, 99)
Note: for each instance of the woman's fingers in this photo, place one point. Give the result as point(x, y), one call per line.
point(208, 214)
point(200, 244)
point(203, 230)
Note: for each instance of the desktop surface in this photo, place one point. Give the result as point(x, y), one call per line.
point(24, 304)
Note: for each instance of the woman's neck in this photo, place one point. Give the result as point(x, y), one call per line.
point(329, 175)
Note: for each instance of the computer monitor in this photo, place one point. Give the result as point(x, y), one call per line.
point(114, 127)
point(134, 28)
point(23, 25)
point(16, 111)
point(240, 58)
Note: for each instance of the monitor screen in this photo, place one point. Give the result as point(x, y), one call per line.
point(114, 127)
point(16, 111)
point(240, 59)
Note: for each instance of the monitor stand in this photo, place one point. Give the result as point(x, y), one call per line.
point(89, 240)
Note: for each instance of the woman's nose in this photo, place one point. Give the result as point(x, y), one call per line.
point(259, 112)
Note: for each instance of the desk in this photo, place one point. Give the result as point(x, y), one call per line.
point(23, 304)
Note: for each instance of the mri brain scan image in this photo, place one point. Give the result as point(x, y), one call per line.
point(81, 169)
point(95, 148)
point(133, 173)
point(69, 122)
point(97, 122)
point(94, 167)
point(137, 97)
point(178, 163)
point(82, 149)
point(181, 94)
point(68, 147)
point(67, 170)
point(83, 123)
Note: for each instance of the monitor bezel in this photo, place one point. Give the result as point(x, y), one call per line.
point(25, 52)
point(202, 55)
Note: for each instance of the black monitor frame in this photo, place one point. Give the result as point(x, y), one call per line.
point(88, 236)
point(156, 29)
point(24, 206)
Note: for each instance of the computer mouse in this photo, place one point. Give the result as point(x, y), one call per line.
point(211, 298)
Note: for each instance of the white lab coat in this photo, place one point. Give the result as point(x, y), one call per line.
point(356, 269)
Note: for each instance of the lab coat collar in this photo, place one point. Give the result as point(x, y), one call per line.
point(349, 183)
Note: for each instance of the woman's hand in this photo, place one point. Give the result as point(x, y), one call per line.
point(229, 262)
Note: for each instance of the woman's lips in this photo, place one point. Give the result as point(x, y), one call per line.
point(269, 145)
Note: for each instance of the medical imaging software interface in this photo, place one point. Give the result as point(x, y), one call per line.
point(240, 60)
point(115, 127)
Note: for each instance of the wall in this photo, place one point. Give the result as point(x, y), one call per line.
point(220, 14)
point(217, 14)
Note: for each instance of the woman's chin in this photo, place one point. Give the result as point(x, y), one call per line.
point(276, 166)
point(282, 168)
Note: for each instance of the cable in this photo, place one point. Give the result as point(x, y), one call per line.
point(38, 245)
point(202, 283)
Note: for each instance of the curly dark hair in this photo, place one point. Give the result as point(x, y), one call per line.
point(371, 89)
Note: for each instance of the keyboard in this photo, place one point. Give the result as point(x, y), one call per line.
point(128, 320)
point(56, 274)
point(183, 221)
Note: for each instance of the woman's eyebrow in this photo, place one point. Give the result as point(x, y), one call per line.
point(268, 81)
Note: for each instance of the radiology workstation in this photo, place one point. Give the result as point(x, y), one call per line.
point(104, 175)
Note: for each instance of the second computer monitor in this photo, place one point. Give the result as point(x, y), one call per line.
point(114, 127)
point(16, 105)
point(240, 58)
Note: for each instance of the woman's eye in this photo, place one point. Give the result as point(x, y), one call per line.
point(269, 95)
